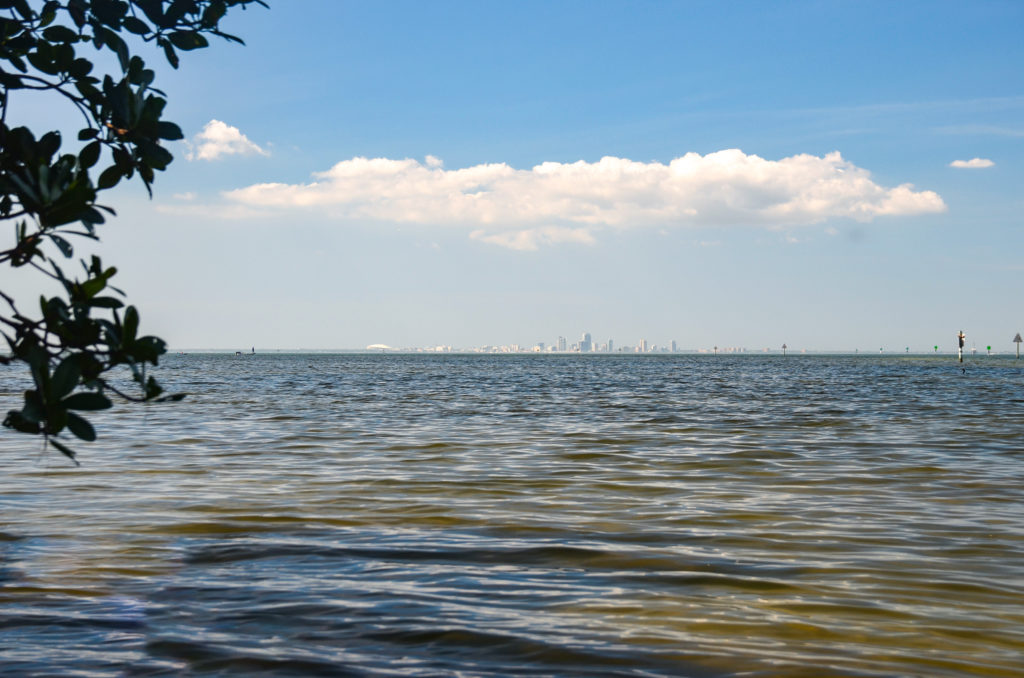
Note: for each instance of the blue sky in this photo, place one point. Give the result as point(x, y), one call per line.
point(818, 206)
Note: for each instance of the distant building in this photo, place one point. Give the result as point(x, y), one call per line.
point(675, 347)
point(561, 344)
point(611, 346)
point(586, 344)
point(642, 348)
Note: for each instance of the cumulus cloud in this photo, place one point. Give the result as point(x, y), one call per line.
point(569, 202)
point(218, 139)
point(973, 163)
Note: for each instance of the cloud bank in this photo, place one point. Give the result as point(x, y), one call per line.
point(218, 139)
point(973, 163)
point(569, 202)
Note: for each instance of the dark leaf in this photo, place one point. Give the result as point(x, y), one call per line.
point(90, 154)
point(65, 450)
point(136, 26)
point(172, 58)
point(56, 419)
point(33, 410)
point(49, 144)
point(169, 131)
point(87, 400)
point(18, 422)
point(131, 324)
point(188, 40)
point(106, 302)
point(65, 378)
point(63, 245)
point(109, 177)
point(60, 34)
point(80, 427)
point(213, 13)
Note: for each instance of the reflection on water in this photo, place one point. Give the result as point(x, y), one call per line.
point(528, 515)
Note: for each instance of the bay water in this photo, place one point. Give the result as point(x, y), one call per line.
point(536, 515)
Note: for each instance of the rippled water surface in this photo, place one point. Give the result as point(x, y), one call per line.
point(358, 515)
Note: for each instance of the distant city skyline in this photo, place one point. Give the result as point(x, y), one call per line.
point(587, 345)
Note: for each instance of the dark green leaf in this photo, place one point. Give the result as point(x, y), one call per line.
point(169, 131)
point(23, 9)
point(42, 60)
point(63, 245)
point(172, 58)
point(60, 34)
point(49, 144)
point(33, 409)
point(65, 450)
point(114, 41)
point(80, 68)
point(131, 324)
point(109, 177)
point(65, 378)
point(213, 13)
point(18, 422)
point(106, 302)
point(90, 154)
point(136, 26)
point(80, 427)
point(56, 419)
point(87, 400)
point(188, 40)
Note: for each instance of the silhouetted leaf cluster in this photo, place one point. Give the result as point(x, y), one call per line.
point(49, 196)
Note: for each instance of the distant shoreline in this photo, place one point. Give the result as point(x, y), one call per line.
point(624, 354)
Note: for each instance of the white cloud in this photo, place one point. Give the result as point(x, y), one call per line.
point(218, 139)
point(973, 163)
point(532, 238)
point(568, 202)
point(187, 196)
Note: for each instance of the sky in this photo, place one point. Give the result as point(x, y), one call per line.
point(829, 175)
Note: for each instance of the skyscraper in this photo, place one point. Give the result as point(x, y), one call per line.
point(561, 344)
point(586, 345)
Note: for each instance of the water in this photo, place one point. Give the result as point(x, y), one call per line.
point(528, 515)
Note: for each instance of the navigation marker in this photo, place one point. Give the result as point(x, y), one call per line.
point(960, 345)
point(1017, 341)
point(783, 349)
